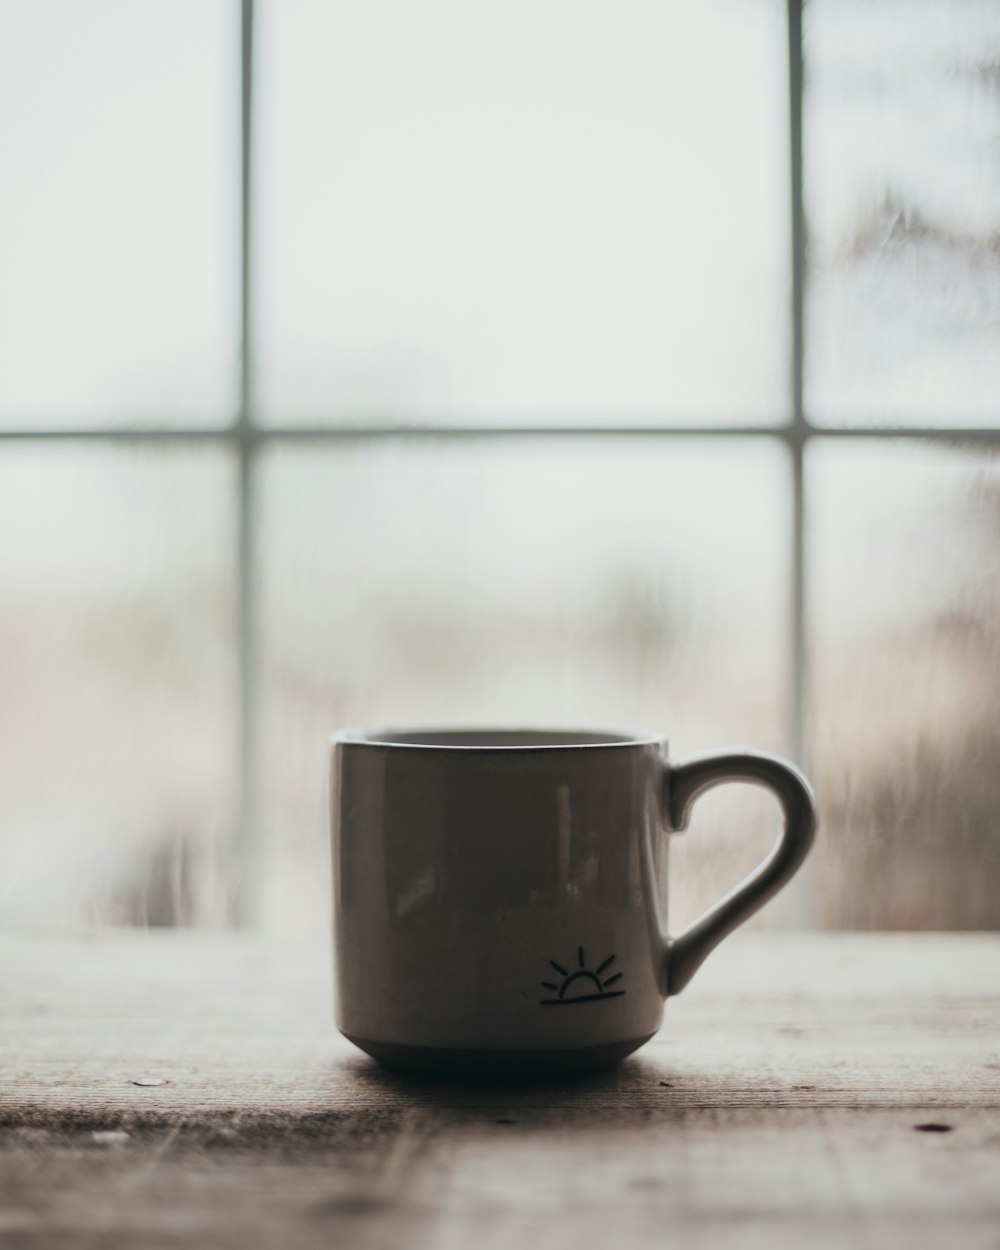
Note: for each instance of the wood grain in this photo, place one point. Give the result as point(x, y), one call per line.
point(781, 1104)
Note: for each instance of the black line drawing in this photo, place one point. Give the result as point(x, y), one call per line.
point(568, 993)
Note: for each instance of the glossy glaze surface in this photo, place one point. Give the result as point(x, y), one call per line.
point(494, 891)
point(497, 897)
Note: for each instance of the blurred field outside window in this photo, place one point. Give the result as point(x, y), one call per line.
point(376, 472)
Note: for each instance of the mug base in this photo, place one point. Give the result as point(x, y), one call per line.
point(446, 1062)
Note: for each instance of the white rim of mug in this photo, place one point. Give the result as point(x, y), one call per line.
point(605, 739)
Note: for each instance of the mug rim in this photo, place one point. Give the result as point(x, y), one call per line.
point(495, 738)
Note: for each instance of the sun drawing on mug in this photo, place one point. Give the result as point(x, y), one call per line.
point(582, 985)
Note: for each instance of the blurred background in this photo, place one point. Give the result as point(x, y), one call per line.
point(551, 363)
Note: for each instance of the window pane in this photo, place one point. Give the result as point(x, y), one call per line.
point(117, 722)
point(905, 542)
point(609, 584)
point(903, 182)
point(119, 198)
point(565, 212)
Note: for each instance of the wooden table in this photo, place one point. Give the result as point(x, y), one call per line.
point(808, 1091)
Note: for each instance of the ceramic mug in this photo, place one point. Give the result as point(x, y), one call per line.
point(495, 894)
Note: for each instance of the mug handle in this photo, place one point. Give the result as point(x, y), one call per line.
point(684, 781)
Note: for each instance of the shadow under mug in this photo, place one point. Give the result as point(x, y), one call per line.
point(496, 907)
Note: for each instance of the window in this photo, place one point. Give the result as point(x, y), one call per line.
point(627, 364)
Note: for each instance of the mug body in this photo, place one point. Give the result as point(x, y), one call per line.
point(495, 900)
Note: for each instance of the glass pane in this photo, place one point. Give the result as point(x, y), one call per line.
point(905, 642)
point(628, 583)
point(119, 197)
point(903, 197)
point(513, 212)
point(117, 722)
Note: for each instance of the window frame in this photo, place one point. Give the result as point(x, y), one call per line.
point(245, 437)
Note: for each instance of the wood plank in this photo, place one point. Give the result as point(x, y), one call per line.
point(780, 1105)
point(439, 1178)
point(236, 1025)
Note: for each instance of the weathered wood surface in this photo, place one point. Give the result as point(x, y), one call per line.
point(782, 1105)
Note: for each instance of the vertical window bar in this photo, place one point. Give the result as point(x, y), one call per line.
point(797, 908)
point(246, 104)
point(799, 427)
point(247, 849)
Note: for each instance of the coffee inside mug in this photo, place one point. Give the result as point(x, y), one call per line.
point(499, 738)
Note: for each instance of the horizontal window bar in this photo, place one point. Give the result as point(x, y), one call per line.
point(308, 433)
